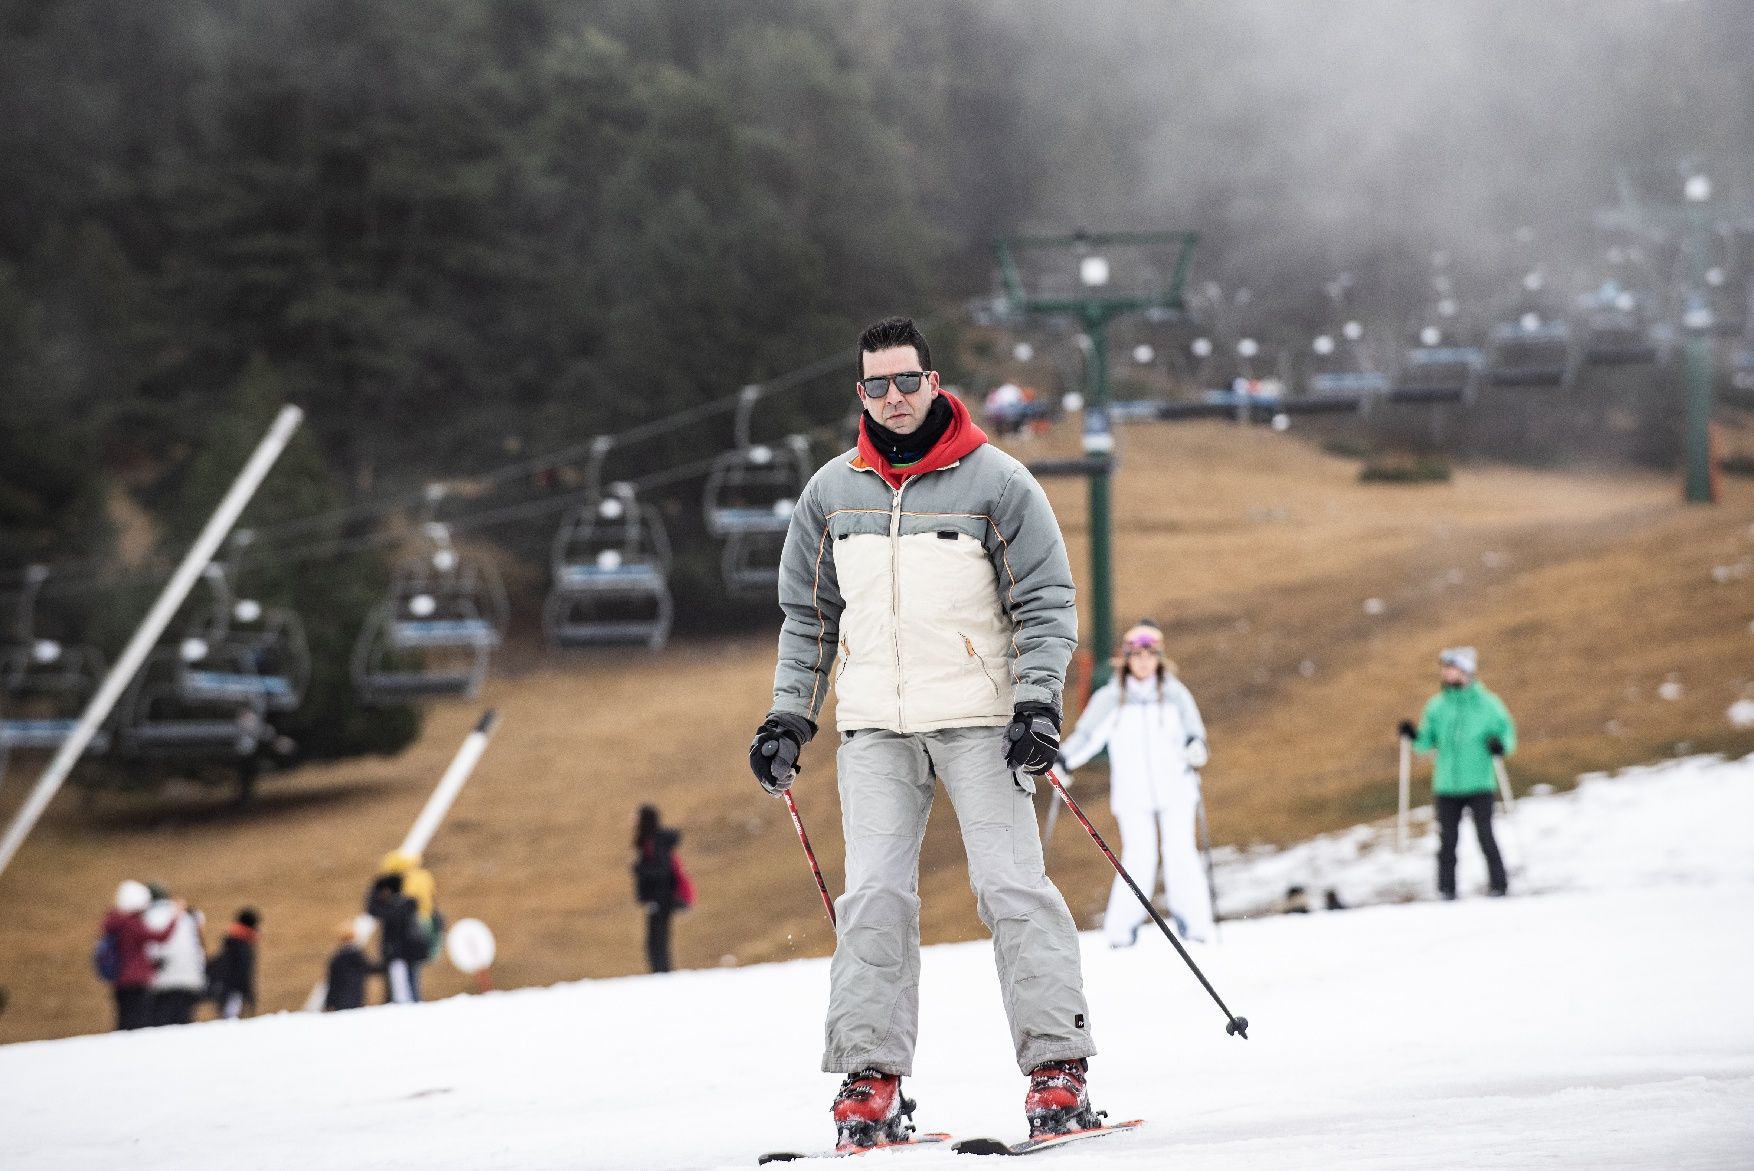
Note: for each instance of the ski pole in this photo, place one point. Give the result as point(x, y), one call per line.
point(1406, 784)
point(1206, 849)
point(798, 824)
point(1509, 810)
point(1503, 783)
point(1237, 1026)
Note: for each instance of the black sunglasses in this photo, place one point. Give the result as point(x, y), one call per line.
point(878, 386)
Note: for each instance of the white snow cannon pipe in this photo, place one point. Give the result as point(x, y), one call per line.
point(163, 610)
point(439, 804)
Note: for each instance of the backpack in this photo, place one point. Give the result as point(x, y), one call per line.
point(106, 957)
point(684, 885)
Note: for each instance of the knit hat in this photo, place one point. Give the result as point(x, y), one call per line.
point(1145, 634)
point(132, 897)
point(1463, 658)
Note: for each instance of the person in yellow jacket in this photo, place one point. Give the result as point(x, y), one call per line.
point(418, 884)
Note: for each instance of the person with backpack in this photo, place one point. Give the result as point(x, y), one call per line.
point(403, 944)
point(1469, 728)
point(231, 975)
point(419, 885)
point(179, 979)
point(660, 886)
point(121, 956)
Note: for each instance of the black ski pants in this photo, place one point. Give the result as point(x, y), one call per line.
point(133, 1008)
point(174, 1006)
point(658, 938)
point(1449, 826)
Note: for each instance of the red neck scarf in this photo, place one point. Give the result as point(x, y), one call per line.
point(961, 437)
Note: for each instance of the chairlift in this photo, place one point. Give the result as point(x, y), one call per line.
point(159, 717)
point(435, 632)
point(250, 650)
point(750, 564)
point(44, 684)
point(1616, 331)
point(1531, 351)
point(753, 487)
point(1742, 368)
point(1343, 366)
point(611, 570)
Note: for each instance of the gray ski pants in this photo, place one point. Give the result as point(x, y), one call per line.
point(886, 794)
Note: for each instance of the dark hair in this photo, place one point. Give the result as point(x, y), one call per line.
point(890, 333)
point(389, 882)
point(647, 826)
point(249, 918)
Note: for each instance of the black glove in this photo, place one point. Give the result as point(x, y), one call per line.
point(773, 754)
point(1407, 730)
point(1032, 740)
point(1495, 746)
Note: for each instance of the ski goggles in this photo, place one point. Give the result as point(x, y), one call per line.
point(908, 382)
point(1144, 641)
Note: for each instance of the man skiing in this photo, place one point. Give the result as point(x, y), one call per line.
point(1467, 726)
point(930, 564)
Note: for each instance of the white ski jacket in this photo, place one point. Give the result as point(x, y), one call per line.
point(181, 960)
point(1155, 742)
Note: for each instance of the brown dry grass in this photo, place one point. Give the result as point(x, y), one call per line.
point(1584, 592)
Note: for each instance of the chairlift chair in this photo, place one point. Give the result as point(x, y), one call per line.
point(1742, 368)
point(750, 564)
point(1441, 369)
point(1616, 331)
point(160, 718)
point(752, 487)
point(1343, 367)
point(1531, 352)
point(435, 631)
point(44, 684)
point(611, 574)
point(242, 650)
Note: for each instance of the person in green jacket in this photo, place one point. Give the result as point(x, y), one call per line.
point(1467, 726)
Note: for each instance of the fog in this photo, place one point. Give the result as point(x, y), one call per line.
point(1303, 139)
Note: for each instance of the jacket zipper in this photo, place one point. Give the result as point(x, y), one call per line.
point(968, 645)
point(895, 598)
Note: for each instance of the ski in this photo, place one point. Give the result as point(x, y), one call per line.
point(918, 1140)
point(992, 1146)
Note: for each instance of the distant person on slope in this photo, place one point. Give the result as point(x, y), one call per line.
point(1156, 742)
point(403, 943)
point(419, 885)
point(930, 563)
point(660, 885)
point(231, 975)
point(1466, 725)
point(125, 961)
point(179, 978)
point(349, 967)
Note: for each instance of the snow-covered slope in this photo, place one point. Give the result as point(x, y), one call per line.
point(1601, 1017)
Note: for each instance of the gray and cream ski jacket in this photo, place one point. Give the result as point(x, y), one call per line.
point(938, 604)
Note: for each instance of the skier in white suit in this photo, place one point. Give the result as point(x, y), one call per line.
point(1156, 742)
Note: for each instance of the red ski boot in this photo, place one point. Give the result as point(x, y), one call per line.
point(869, 1111)
point(1057, 1102)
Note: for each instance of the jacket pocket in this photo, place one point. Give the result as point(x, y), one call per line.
point(979, 662)
point(846, 659)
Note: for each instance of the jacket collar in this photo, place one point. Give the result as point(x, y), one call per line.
point(963, 436)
